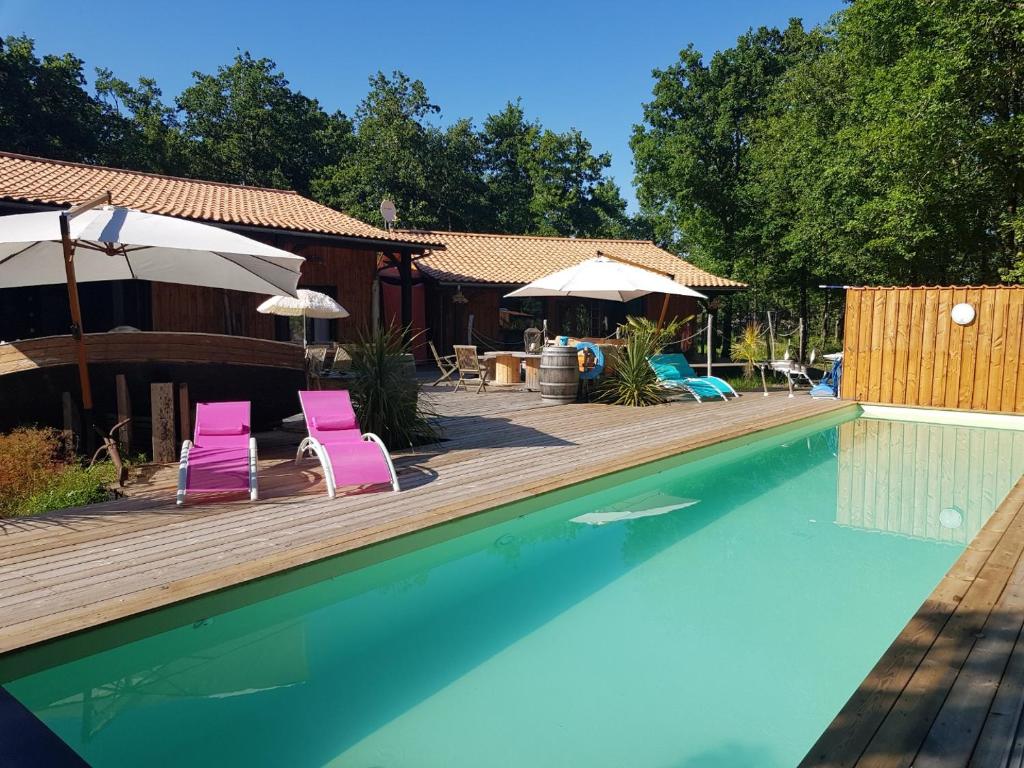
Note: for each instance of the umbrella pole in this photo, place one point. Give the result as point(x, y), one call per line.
point(664, 311)
point(76, 329)
point(305, 353)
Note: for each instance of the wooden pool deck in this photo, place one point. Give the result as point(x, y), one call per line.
point(80, 568)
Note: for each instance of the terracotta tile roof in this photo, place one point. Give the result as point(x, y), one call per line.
point(57, 182)
point(518, 259)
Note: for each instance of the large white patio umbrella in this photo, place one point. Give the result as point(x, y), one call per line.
point(304, 304)
point(607, 278)
point(96, 241)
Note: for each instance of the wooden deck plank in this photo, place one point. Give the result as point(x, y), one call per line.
point(85, 567)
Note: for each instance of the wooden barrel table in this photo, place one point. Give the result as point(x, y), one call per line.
point(559, 374)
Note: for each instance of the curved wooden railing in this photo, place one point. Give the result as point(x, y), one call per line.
point(150, 347)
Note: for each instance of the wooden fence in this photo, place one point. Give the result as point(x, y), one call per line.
point(903, 348)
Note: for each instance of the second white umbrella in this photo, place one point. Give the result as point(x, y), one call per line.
point(304, 304)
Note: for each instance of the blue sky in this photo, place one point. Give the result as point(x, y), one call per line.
point(584, 64)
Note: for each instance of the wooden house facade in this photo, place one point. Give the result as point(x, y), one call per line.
point(466, 283)
point(342, 254)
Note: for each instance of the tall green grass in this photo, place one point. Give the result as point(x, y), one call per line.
point(39, 473)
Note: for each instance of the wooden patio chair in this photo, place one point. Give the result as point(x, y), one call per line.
point(533, 340)
point(470, 368)
point(316, 362)
point(342, 362)
point(445, 364)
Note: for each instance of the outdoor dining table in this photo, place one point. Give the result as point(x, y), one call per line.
point(506, 368)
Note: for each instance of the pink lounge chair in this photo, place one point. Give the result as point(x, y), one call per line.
point(347, 456)
point(222, 456)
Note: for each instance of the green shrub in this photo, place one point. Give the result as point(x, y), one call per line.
point(633, 382)
point(749, 347)
point(39, 473)
point(385, 391)
point(29, 458)
point(72, 486)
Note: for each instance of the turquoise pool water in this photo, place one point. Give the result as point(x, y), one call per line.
point(717, 612)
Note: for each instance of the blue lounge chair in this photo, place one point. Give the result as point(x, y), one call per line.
point(675, 372)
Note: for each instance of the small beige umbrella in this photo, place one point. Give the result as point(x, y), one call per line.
point(305, 304)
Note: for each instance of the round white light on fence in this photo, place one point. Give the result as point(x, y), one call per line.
point(951, 517)
point(962, 314)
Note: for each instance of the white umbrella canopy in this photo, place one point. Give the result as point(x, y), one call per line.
point(114, 243)
point(92, 242)
point(604, 278)
point(305, 303)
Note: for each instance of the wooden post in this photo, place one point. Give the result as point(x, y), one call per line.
point(405, 273)
point(162, 406)
point(69, 417)
point(124, 410)
point(469, 330)
point(711, 319)
point(184, 413)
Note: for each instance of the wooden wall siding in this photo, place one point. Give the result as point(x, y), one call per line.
point(348, 272)
point(678, 306)
point(895, 477)
point(902, 348)
point(484, 304)
point(143, 347)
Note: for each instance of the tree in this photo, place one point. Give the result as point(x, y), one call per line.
point(457, 190)
point(246, 125)
point(692, 151)
point(508, 142)
point(570, 194)
point(44, 109)
point(892, 155)
point(543, 182)
point(142, 132)
point(388, 157)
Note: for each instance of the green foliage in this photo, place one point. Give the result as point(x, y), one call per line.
point(881, 148)
point(39, 473)
point(750, 383)
point(633, 381)
point(385, 391)
point(511, 176)
point(389, 154)
point(660, 338)
point(45, 109)
point(246, 125)
point(72, 486)
point(750, 347)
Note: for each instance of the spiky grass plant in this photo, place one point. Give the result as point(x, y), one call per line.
point(633, 382)
point(749, 346)
point(385, 391)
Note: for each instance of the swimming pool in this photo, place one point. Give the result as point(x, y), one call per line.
point(716, 609)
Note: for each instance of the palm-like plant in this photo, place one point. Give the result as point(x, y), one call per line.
point(385, 392)
point(749, 347)
point(633, 382)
